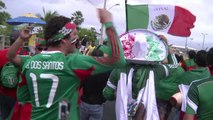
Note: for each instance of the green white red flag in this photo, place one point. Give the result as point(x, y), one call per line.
point(171, 19)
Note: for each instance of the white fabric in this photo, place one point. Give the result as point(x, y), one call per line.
point(121, 99)
point(111, 85)
point(184, 90)
point(129, 82)
point(157, 10)
point(192, 104)
point(147, 94)
point(124, 89)
point(149, 99)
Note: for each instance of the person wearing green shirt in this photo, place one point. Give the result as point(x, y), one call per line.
point(199, 102)
point(200, 72)
point(138, 78)
point(165, 88)
point(189, 63)
point(53, 76)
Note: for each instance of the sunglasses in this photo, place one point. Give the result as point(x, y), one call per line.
point(40, 48)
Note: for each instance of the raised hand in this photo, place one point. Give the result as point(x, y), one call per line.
point(104, 15)
point(25, 33)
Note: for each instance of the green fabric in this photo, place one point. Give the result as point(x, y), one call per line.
point(189, 63)
point(74, 107)
point(106, 50)
point(169, 86)
point(41, 42)
point(24, 58)
point(137, 16)
point(53, 78)
point(68, 81)
point(194, 74)
point(198, 94)
point(108, 24)
point(9, 75)
point(154, 50)
point(140, 76)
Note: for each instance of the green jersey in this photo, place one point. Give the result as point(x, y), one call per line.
point(166, 87)
point(187, 78)
point(53, 78)
point(169, 85)
point(199, 101)
point(141, 74)
point(189, 64)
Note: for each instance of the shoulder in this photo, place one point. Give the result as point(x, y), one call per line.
point(202, 82)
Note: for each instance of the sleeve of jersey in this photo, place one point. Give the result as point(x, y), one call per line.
point(192, 99)
point(88, 65)
point(109, 90)
point(117, 56)
point(172, 59)
point(164, 70)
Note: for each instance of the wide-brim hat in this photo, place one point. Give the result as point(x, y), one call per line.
point(143, 46)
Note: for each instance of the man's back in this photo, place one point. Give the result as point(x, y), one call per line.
point(51, 85)
point(199, 101)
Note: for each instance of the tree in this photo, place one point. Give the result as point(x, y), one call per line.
point(2, 5)
point(47, 15)
point(77, 18)
point(5, 29)
point(90, 34)
point(3, 15)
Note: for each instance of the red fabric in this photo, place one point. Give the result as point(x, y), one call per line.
point(21, 112)
point(182, 115)
point(211, 69)
point(190, 68)
point(3, 60)
point(83, 74)
point(182, 23)
point(80, 93)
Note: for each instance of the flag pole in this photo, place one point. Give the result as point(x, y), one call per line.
point(102, 27)
point(126, 16)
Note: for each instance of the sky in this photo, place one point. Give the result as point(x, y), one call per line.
point(200, 8)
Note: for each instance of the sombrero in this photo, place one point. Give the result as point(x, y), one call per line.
point(143, 47)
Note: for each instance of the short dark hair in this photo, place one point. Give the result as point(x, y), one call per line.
point(191, 54)
point(210, 56)
point(179, 57)
point(52, 27)
point(201, 58)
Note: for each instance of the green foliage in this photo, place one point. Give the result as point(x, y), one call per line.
point(91, 35)
point(77, 18)
point(6, 29)
point(4, 16)
point(2, 5)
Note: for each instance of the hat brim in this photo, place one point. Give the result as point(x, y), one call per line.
point(156, 50)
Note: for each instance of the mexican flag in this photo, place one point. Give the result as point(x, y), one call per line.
point(173, 20)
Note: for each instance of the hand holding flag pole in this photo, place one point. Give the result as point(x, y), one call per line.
point(102, 27)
